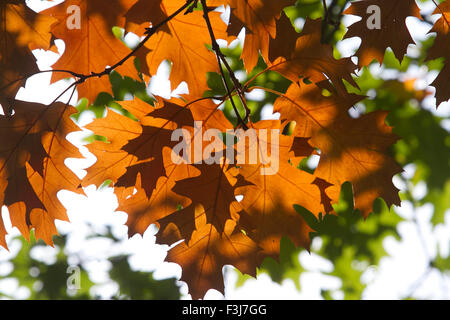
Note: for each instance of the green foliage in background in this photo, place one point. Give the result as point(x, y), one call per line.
point(53, 276)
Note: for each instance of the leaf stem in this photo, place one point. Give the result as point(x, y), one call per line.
point(254, 78)
point(442, 12)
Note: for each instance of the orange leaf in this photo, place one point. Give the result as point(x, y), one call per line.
point(182, 40)
point(143, 211)
point(353, 150)
point(90, 45)
point(270, 193)
point(32, 168)
point(134, 147)
point(208, 251)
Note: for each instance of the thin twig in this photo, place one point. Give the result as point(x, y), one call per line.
point(325, 8)
point(419, 281)
point(429, 260)
point(74, 74)
point(222, 58)
point(217, 51)
point(247, 84)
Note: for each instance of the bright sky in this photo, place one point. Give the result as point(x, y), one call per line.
point(392, 279)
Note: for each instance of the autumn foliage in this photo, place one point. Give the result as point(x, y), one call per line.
point(195, 205)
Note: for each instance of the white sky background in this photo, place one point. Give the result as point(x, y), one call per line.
point(392, 279)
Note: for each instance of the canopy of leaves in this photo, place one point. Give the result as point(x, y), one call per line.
point(194, 202)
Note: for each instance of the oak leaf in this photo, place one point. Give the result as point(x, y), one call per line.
point(32, 169)
point(270, 193)
point(440, 49)
point(90, 45)
point(211, 194)
point(353, 150)
point(135, 147)
point(143, 211)
point(203, 257)
point(21, 30)
point(196, 204)
point(311, 59)
point(391, 32)
point(259, 18)
point(182, 40)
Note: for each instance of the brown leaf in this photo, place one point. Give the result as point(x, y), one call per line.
point(311, 59)
point(440, 49)
point(208, 251)
point(259, 19)
point(212, 194)
point(21, 30)
point(393, 31)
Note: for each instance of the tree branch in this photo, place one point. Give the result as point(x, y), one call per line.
point(222, 59)
point(329, 20)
